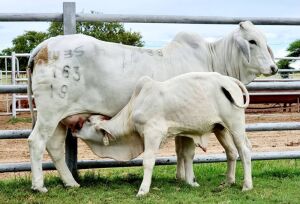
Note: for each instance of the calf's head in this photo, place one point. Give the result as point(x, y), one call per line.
point(92, 132)
point(257, 56)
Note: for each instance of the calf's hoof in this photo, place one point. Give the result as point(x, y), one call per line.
point(227, 184)
point(39, 189)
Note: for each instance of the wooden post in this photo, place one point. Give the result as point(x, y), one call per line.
point(69, 23)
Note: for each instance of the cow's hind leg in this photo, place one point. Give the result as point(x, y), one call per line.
point(152, 139)
point(37, 144)
point(187, 155)
point(56, 149)
point(180, 173)
point(226, 141)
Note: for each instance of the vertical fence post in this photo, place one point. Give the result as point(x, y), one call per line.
point(69, 23)
point(13, 80)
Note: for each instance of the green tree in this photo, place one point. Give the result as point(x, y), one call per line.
point(112, 32)
point(23, 44)
point(294, 51)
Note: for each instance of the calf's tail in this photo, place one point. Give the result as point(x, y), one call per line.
point(244, 90)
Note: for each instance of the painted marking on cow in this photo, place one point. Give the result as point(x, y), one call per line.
point(63, 91)
point(76, 76)
point(54, 55)
point(66, 71)
point(77, 52)
point(159, 52)
point(51, 87)
point(68, 54)
point(150, 52)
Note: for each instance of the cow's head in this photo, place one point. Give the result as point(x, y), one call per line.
point(257, 55)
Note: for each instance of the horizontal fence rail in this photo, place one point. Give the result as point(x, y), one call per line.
point(9, 17)
point(13, 88)
point(82, 17)
point(254, 86)
point(18, 134)
point(88, 164)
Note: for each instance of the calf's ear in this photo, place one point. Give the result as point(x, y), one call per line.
point(244, 47)
point(104, 131)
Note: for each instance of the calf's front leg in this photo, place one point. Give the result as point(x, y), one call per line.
point(152, 139)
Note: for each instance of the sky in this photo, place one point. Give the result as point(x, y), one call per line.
point(157, 35)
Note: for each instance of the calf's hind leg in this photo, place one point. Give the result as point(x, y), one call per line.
point(244, 148)
point(56, 149)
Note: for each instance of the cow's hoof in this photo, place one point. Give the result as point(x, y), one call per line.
point(247, 187)
point(194, 184)
point(39, 189)
point(141, 193)
point(73, 185)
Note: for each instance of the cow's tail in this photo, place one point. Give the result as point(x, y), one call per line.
point(29, 93)
point(244, 90)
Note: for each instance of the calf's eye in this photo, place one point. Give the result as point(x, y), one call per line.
point(253, 42)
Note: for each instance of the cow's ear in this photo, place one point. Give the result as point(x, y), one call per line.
point(244, 47)
point(245, 24)
point(271, 52)
point(241, 24)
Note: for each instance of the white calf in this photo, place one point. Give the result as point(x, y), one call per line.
point(191, 106)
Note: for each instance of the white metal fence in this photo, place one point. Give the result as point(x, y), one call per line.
point(13, 75)
point(69, 19)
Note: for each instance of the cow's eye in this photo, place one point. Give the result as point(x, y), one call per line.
point(253, 42)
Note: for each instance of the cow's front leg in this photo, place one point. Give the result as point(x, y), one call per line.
point(37, 144)
point(56, 149)
point(152, 140)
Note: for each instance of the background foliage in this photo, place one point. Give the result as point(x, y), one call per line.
point(294, 51)
point(111, 32)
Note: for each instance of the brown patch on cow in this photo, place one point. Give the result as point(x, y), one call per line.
point(42, 56)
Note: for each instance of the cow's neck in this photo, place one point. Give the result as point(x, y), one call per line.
point(227, 59)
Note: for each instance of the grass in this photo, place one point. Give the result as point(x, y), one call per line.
point(19, 120)
point(274, 182)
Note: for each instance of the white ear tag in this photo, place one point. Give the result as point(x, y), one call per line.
point(105, 140)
